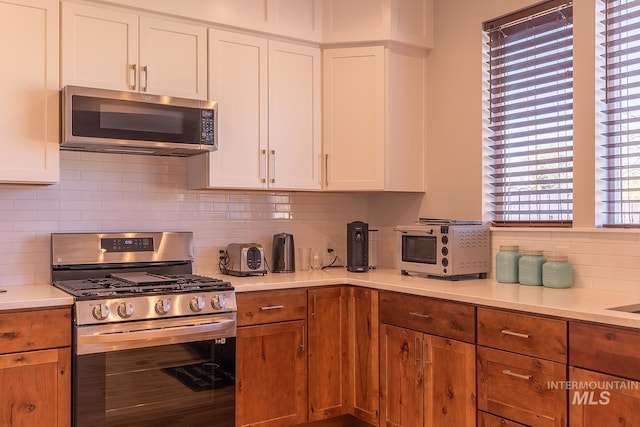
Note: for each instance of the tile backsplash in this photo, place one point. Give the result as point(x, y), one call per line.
point(113, 192)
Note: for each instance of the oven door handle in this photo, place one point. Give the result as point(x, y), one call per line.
point(112, 340)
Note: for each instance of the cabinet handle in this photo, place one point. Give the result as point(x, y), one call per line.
point(272, 170)
point(417, 345)
point(135, 77)
point(301, 346)
point(272, 307)
point(423, 316)
point(514, 334)
point(514, 374)
point(144, 70)
point(326, 170)
point(314, 314)
point(263, 169)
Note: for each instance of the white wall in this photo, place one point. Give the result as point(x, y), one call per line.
point(109, 192)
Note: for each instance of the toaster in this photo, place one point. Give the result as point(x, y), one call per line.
point(243, 259)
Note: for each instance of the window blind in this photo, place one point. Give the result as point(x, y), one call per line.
point(530, 112)
point(622, 112)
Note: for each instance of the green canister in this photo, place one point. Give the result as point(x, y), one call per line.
point(557, 272)
point(530, 268)
point(507, 264)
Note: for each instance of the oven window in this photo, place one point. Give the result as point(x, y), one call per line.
point(185, 385)
point(420, 249)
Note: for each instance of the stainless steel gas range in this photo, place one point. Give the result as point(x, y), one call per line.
point(154, 344)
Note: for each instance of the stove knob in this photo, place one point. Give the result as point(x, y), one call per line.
point(196, 304)
point(100, 311)
point(218, 302)
point(125, 310)
point(163, 306)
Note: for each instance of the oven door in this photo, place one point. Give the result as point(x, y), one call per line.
point(156, 374)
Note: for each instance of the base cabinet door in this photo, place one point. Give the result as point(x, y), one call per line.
point(271, 379)
point(426, 380)
point(602, 400)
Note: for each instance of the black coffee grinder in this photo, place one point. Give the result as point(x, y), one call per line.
point(358, 246)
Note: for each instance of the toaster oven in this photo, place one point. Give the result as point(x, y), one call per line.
point(444, 248)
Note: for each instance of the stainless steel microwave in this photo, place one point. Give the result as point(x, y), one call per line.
point(136, 123)
point(444, 250)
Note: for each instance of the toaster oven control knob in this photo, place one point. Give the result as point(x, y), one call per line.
point(100, 311)
point(196, 304)
point(218, 302)
point(125, 310)
point(163, 306)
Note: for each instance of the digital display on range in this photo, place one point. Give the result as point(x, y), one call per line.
point(127, 244)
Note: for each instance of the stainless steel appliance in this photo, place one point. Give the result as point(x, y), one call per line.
point(154, 344)
point(445, 248)
point(284, 260)
point(243, 259)
point(358, 246)
point(137, 123)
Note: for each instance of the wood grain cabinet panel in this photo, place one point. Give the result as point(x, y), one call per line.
point(488, 420)
point(520, 333)
point(433, 316)
point(271, 306)
point(522, 388)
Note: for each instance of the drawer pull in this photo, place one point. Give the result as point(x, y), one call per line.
point(514, 334)
point(424, 316)
point(514, 374)
point(272, 307)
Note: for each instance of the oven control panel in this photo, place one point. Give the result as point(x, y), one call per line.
point(112, 310)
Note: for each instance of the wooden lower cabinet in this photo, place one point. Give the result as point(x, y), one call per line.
point(329, 369)
point(602, 400)
point(425, 380)
point(271, 375)
point(35, 371)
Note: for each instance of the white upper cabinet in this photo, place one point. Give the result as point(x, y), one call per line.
point(29, 79)
point(120, 50)
point(374, 118)
point(405, 21)
point(268, 97)
point(299, 19)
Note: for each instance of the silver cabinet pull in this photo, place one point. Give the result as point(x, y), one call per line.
point(144, 69)
point(515, 374)
point(272, 171)
point(132, 82)
point(326, 170)
point(272, 307)
point(423, 316)
point(263, 169)
point(314, 314)
point(514, 334)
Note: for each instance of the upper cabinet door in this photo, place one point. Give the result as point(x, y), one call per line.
point(294, 117)
point(173, 58)
point(118, 50)
point(99, 48)
point(29, 80)
point(354, 118)
point(238, 79)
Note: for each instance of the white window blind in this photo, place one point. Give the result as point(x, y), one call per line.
point(530, 112)
point(622, 112)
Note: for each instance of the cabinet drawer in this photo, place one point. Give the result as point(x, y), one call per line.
point(271, 306)
point(430, 315)
point(606, 349)
point(522, 388)
point(35, 330)
point(521, 333)
point(488, 420)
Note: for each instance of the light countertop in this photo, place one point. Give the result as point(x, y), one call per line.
point(573, 303)
point(33, 296)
